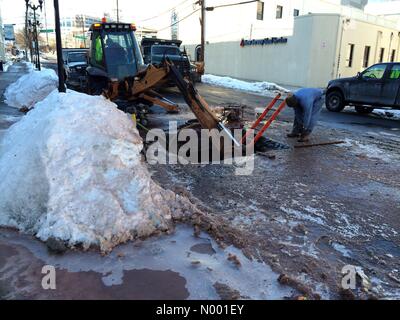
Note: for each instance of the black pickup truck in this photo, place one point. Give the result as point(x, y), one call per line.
point(156, 50)
point(75, 64)
point(377, 86)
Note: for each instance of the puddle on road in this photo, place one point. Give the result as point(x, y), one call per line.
point(198, 261)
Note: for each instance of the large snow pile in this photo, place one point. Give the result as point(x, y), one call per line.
point(262, 88)
point(31, 88)
point(71, 170)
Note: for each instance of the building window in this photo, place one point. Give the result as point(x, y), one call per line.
point(260, 10)
point(350, 53)
point(279, 12)
point(381, 54)
point(393, 55)
point(366, 56)
point(296, 12)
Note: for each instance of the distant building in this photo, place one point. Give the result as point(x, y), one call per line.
point(323, 47)
point(2, 42)
point(359, 4)
point(145, 33)
point(291, 42)
point(74, 30)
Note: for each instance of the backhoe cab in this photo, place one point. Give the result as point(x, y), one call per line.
point(115, 57)
point(114, 54)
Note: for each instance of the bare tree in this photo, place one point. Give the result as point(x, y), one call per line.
point(22, 40)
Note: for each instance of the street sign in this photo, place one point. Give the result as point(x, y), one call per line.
point(9, 32)
point(47, 31)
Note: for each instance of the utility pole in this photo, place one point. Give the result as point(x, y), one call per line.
point(117, 11)
point(35, 31)
point(35, 34)
point(83, 30)
point(60, 62)
point(80, 20)
point(28, 32)
point(203, 31)
point(27, 40)
point(45, 25)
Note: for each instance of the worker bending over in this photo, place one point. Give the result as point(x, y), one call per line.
point(307, 104)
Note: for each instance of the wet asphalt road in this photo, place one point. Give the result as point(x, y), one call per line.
point(347, 120)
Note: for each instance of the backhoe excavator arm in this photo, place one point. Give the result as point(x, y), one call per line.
point(141, 87)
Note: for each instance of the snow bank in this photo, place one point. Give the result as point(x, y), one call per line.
point(49, 56)
point(31, 88)
point(262, 88)
point(6, 66)
point(71, 170)
point(387, 114)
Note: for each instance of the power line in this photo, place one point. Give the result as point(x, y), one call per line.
point(164, 12)
point(230, 5)
point(179, 20)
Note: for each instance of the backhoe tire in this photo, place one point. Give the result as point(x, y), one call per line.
point(335, 101)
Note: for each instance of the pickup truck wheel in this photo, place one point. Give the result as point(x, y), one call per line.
point(335, 101)
point(364, 110)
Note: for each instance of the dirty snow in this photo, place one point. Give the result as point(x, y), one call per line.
point(387, 114)
point(262, 88)
point(342, 249)
point(367, 150)
point(302, 216)
point(71, 169)
point(6, 66)
point(31, 88)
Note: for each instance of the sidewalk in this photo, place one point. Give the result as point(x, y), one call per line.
point(9, 115)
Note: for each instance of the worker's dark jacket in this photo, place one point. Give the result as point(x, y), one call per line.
point(307, 112)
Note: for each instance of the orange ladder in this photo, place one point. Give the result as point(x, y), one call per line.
point(262, 117)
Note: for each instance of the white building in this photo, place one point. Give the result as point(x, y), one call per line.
point(321, 39)
point(323, 47)
point(2, 44)
point(273, 18)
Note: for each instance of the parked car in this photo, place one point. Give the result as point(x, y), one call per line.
point(75, 64)
point(377, 86)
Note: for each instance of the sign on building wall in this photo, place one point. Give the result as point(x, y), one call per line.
point(9, 32)
point(262, 42)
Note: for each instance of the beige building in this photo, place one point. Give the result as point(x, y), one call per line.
point(322, 47)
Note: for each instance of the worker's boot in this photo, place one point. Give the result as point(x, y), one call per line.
point(304, 138)
point(293, 135)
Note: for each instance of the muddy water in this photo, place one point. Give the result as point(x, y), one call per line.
point(179, 266)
